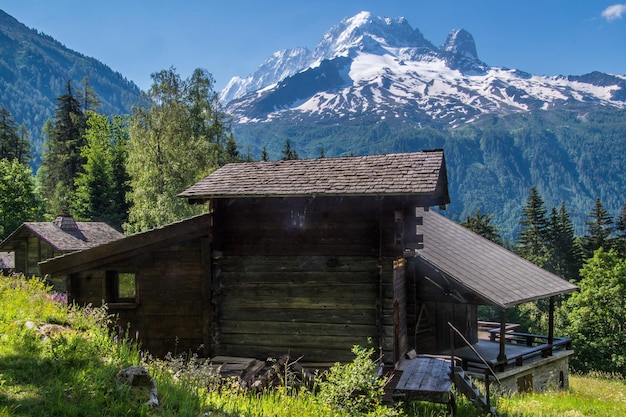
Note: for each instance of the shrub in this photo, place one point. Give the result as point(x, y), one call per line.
point(355, 387)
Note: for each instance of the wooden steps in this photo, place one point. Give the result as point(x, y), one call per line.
point(467, 387)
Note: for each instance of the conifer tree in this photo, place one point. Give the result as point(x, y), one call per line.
point(88, 97)
point(100, 189)
point(232, 151)
point(14, 142)
point(288, 152)
point(264, 156)
point(599, 229)
point(532, 238)
point(480, 224)
point(565, 255)
point(620, 232)
point(62, 159)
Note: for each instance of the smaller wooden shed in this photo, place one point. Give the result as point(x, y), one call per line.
point(34, 242)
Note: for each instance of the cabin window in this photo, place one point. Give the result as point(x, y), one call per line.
point(121, 287)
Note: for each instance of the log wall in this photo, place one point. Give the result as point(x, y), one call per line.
point(170, 314)
point(308, 277)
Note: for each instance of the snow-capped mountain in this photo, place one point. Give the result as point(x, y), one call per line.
point(373, 66)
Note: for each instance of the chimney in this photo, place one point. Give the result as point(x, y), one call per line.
point(65, 222)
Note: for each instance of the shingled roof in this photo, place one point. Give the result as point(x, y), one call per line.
point(64, 234)
point(419, 173)
point(494, 274)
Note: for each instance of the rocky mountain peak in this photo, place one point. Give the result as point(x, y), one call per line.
point(364, 32)
point(460, 42)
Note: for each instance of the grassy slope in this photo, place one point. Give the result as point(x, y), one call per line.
point(71, 372)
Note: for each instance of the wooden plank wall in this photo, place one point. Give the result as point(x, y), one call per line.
point(303, 276)
point(268, 306)
point(170, 313)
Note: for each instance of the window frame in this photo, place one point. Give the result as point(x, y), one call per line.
point(112, 280)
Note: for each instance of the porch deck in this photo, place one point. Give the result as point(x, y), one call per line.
point(425, 378)
point(520, 349)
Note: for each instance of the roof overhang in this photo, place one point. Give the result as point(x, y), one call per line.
point(464, 264)
point(127, 247)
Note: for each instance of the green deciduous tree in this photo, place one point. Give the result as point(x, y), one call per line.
point(480, 224)
point(173, 143)
point(594, 317)
point(19, 201)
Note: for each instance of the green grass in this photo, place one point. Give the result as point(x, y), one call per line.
point(70, 371)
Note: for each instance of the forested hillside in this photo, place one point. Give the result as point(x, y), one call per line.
point(571, 154)
point(492, 164)
point(34, 70)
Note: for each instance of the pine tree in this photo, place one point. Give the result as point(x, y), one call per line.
point(62, 160)
point(480, 224)
point(100, 189)
point(231, 152)
point(14, 142)
point(121, 179)
point(533, 236)
point(264, 156)
point(288, 152)
point(620, 232)
point(599, 230)
point(88, 98)
point(565, 254)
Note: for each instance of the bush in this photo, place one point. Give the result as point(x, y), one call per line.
point(355, 387)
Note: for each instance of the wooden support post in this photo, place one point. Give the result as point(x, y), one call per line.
point(451, 353)
point(502, 353)
point(551, 325)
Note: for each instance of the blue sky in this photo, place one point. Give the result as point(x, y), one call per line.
point(233, 37)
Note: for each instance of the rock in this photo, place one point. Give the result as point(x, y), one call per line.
point(140, 381)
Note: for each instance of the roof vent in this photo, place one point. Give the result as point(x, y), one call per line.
point(65, 221)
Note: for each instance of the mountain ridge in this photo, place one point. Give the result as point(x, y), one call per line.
point(405, 73)
point(34, 70)
point(364, 91)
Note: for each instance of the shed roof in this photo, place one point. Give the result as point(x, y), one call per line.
point(496, 275)
point(136, 244)
point(64, 234)
point(419, 173)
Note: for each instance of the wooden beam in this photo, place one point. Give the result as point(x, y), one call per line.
point(551, 324)
point(502, 353)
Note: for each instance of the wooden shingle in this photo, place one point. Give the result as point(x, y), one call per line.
point(418, 173)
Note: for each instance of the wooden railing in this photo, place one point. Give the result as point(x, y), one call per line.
point(488, 369)
point(535, 345)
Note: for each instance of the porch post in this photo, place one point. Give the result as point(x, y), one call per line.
point(551, 324)
point(502, 354)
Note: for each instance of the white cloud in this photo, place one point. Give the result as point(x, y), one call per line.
point(614, 12)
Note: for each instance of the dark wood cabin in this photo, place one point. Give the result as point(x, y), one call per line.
point(305, 257)
point(310, 257)
point(34, 242)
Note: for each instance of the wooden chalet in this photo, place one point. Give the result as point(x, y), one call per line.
point(309, 258)
point(34, 242)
